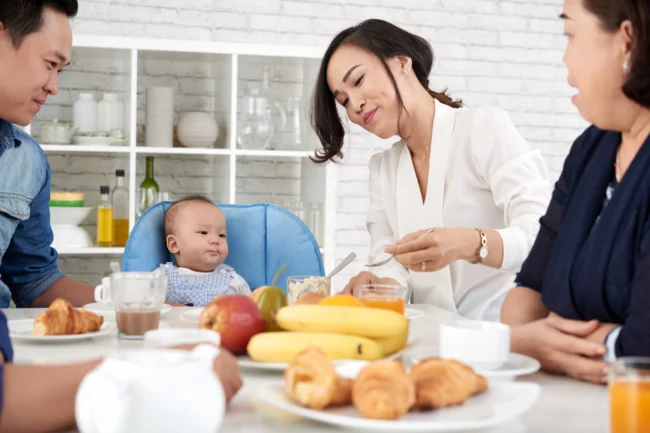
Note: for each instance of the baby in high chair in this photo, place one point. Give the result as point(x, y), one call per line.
point(195, 232)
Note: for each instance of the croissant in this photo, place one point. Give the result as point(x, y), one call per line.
point(444, 382)
point(383, 390)
point(311, 381)
point(61, 318)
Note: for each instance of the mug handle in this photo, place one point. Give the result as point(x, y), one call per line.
point(99, 294)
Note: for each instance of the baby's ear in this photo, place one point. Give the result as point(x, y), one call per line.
point(172, 244)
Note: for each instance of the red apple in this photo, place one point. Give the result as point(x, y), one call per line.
point(236, 318)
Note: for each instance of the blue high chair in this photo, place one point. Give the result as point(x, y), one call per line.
point(261, 238)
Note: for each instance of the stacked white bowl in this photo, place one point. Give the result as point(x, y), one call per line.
point(160, 117)
point(197, 129)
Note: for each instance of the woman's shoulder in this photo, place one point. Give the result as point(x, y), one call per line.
point(583, 146)
point(486, 117)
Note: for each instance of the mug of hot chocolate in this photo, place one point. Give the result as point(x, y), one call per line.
point(103, 291)
point(137, 298)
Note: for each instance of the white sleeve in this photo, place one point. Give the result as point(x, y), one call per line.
point(610, 343)
point(238, 286)
point(381, 234)
point(518, 178)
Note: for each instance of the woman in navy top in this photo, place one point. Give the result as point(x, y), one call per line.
point(583, 294)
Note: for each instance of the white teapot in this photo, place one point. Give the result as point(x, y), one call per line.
point(152, 390)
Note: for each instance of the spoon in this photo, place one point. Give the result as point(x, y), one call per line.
point(383, 262)
point(346, 261)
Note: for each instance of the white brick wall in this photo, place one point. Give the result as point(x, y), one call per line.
point(488, 52)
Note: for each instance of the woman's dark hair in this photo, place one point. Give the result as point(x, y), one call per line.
point(385, 41)
point(24, 17)
point(611, 15)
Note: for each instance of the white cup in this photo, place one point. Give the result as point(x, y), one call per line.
point(481, 345)
point(103, 291)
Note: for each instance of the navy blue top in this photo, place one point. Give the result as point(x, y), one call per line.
point(7, 352)
point(593, 262)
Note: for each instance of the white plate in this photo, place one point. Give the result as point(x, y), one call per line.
point(517, 365)
point(502, 402)
point(248, 363)
point(22, 329)
point(108, 311)
point(192, 315)
point(97, 141)
point(412, 313)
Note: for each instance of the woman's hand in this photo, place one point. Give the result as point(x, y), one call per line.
point(435, 250)
point(561, 345)
point(365, 278)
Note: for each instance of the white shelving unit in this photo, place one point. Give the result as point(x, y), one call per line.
point(126, 62)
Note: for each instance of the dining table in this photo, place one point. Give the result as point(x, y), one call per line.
point(564, 404)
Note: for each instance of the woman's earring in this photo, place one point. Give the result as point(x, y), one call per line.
point(626, 66)
point(404, 71)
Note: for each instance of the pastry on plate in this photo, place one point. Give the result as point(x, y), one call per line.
point(311, 381)
point(383, 390)
point(61, 318)
point(444, 382)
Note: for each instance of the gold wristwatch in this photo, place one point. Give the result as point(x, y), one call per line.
point(483, 250)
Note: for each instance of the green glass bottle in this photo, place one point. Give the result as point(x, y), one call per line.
point(148, 188)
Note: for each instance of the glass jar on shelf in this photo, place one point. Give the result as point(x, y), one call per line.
point(313, 215)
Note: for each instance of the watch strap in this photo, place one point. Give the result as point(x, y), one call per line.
point(483, 236)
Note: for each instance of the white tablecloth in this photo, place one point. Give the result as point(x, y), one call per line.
point(565, 405)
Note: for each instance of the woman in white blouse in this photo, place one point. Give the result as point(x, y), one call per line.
point(466, 172)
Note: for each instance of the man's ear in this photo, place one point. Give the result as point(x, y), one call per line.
point(172, 244)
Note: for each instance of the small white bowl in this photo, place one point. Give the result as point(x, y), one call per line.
point(177, 336)
point(481, 345)
point(69, 216)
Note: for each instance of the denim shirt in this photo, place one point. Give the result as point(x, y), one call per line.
point(28, 264)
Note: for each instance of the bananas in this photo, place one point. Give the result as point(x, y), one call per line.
point(392, 343)
point(365, 322)
point(284, 346)
point(341, 332)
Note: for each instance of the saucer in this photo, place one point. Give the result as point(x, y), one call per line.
point(108, 311)
point(516, 365)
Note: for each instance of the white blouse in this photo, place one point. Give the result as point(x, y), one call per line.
point(482, 174)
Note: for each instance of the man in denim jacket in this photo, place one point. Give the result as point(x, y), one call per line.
point(30, 60)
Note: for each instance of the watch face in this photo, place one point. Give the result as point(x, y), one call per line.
point(483, 252)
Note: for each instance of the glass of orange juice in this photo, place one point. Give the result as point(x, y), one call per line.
point(629, 395)
point(388, 297)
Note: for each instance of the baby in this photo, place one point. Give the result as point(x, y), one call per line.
point(195, 232)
